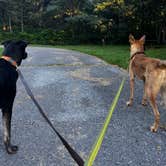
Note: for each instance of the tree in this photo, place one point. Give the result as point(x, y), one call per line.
point(148, 15)
point(6, 13)
point(96, 20)
point(112, 12)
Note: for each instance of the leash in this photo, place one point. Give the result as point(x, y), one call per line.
point(71, 151)
point(99, 140)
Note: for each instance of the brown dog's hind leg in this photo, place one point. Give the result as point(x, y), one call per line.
point(155, 126)
point(152, 94)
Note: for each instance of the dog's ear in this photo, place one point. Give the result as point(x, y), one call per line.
point(131, 39)
point(142, 39)
point(22, 43)
point(5, 43)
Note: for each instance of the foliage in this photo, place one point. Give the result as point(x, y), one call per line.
point(45, 37)
point(82, 21)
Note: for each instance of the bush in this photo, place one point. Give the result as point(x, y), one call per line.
point(15, 36)
point(46, 37)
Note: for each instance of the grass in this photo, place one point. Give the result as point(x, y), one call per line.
point(0, 51)
point(113, 54)
point(117, 55)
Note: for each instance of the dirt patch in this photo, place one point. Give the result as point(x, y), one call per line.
point(84, 74)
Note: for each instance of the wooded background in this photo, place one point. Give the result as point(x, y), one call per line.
point(82, 21)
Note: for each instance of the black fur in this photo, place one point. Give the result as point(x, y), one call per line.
point(8, 79)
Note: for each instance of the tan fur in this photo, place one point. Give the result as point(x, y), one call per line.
point(151, 71)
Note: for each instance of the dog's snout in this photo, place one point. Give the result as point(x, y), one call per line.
point(25, 55)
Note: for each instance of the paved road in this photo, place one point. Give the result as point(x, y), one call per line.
point(76, 91)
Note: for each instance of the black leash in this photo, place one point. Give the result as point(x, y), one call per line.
point(72, 152)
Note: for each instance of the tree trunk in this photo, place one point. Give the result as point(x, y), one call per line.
point(164, 35)
point(10, 25)
point(158, 33)
point(22, 20)
point(22, 26)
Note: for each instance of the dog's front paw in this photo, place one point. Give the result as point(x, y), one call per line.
point(128, 103)
point(153, 128)
point(144, 102)
point(12, 149)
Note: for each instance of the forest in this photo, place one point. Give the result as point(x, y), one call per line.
point(62, 22)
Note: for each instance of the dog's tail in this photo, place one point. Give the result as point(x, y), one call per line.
point(162, 63)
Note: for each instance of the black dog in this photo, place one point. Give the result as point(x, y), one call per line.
point(14, 52)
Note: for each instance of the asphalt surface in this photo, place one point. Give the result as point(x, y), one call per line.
point(76, 91)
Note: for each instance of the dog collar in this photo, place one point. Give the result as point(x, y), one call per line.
point(136, 54)
point(9, 59)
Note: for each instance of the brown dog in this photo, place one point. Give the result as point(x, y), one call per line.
point(151, 71)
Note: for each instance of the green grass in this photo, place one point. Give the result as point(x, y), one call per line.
point(115, 54)
point(0, 51)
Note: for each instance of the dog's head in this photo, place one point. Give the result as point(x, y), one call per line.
point(15, 50)
point(136, 45)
